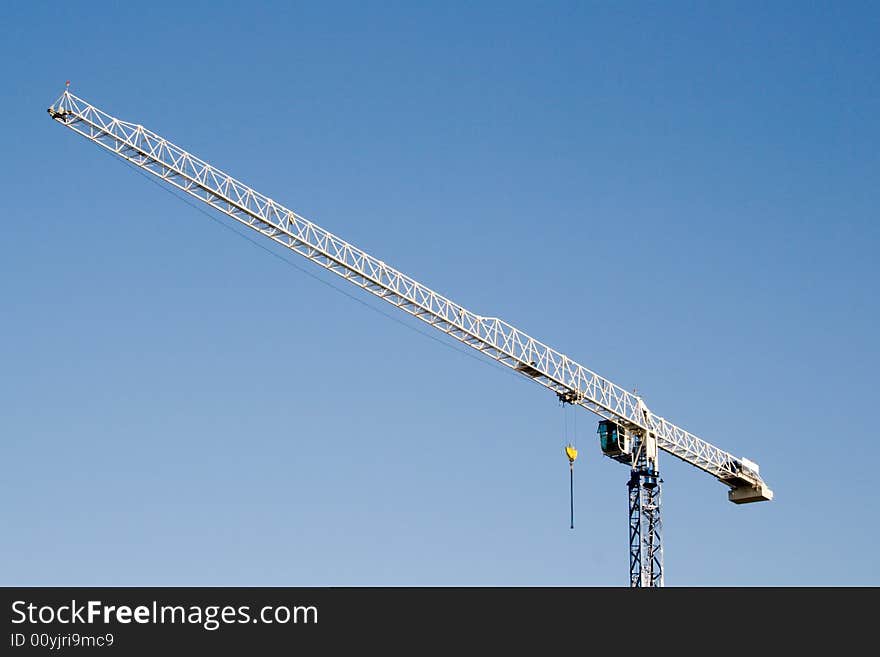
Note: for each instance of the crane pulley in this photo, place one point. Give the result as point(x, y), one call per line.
point(629, 432)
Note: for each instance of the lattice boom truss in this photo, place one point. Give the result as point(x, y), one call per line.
point(489, 335)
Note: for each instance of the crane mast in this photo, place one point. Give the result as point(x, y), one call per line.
point(629, 432)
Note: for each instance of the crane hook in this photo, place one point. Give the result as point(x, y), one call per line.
point(572, 454)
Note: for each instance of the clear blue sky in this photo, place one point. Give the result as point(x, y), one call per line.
point(681, 196)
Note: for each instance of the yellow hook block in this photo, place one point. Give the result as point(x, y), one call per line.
point(571, 453)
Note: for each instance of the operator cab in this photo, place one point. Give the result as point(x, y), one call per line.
point(612, 439)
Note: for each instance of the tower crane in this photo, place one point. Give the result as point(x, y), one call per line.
point(629, 432)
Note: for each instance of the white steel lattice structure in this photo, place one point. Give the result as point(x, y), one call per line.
point(493, 337)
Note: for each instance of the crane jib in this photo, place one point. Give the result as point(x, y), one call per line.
point(489, 335)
